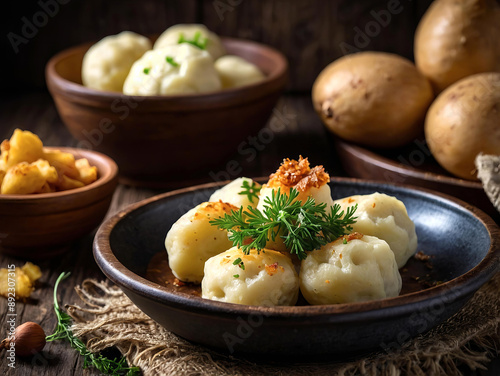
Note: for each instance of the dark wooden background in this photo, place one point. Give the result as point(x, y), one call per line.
point(311, 33)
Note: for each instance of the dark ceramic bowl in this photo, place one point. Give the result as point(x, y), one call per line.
point(462, 240)
point(42, 225)
point(159, 141)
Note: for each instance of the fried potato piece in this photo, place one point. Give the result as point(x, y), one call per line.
point(22, 280)
point(66, 183)
point(88, 173)
point(21, 283)
point(2, 175)
point(32, 271)
point(48, 172)
point(23, 146)
point(63, 162)
point(23, 178)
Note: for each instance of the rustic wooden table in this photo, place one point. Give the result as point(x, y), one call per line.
point(299, 132)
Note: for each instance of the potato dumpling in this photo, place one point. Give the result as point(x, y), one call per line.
point(235, 71)
point(386, 218)
point(192, 240)
point(465, 121)
point(362, 269)
point(309, 182)
point(176, 69)
point(191, 32)
point(231, 193)
point(372, 98)
point(107, 63)
point(267, 278)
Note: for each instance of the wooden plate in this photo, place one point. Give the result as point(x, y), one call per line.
point(412, 165)
point(462, 240)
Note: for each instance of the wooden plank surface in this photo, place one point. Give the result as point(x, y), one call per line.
point(295, 130)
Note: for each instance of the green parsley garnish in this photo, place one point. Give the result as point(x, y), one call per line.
point(238, 261)
point(303, 226)
point(171, 61)
point(101, 363)
point(146, 70)
point(196, 41)
point(251, 191)
point(236, 276)
point(345, 241)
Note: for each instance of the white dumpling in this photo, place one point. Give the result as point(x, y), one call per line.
point(363, 269)
point(107, 63)
point(268, 278)
point(386, 218)
point(235, 71)
point(231, 193)
point(309, 182)
point(173, 35)
point(192, 240)
point(177, 69)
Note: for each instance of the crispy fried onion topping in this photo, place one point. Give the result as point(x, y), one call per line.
point(298, 175)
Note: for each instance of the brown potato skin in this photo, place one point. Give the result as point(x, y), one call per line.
point(456, 39)
point(463, 121)
point(372, 98)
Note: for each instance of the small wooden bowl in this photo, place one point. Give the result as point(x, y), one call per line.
point(161, 140)
point(42, 225)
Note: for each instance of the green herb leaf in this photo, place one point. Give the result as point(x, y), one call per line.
point(302, 226)
point(63, 331)
point(236, 276)
point(345, 241)
point(240, 263)
point(146, 70)
point(171, 61)
point(197, 41)
point(251, 191)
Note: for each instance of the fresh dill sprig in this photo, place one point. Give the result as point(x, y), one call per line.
point(197, 40)
point(251, 191)
point(101, 363)
point(303, 226)
point(171, 61)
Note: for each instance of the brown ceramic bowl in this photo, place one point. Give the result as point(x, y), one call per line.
point(414, 165)
point(42, 225)
point(161, 140)
point(463, 244)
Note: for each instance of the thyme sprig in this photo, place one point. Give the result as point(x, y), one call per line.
point(251, 191)
point(302, 226)
point(98, 361)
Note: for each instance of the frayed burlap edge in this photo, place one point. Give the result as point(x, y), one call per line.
point(466, 341)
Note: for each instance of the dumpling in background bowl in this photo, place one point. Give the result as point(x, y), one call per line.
point(195, 34)
point(107, 63)
point(177, 69)
point(234, 71)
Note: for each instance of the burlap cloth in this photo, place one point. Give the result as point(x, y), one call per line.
point(466, 341)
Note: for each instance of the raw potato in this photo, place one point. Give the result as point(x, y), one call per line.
point(372, 98)
point(465, 121)
point(172, 35)
point(386, 218)
point(456, 39)
point(363, 269)
point(230, 194)
point(192, 72)
point(269, 279)
point(107, 63)
point(192, 240)
point(235, 71)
